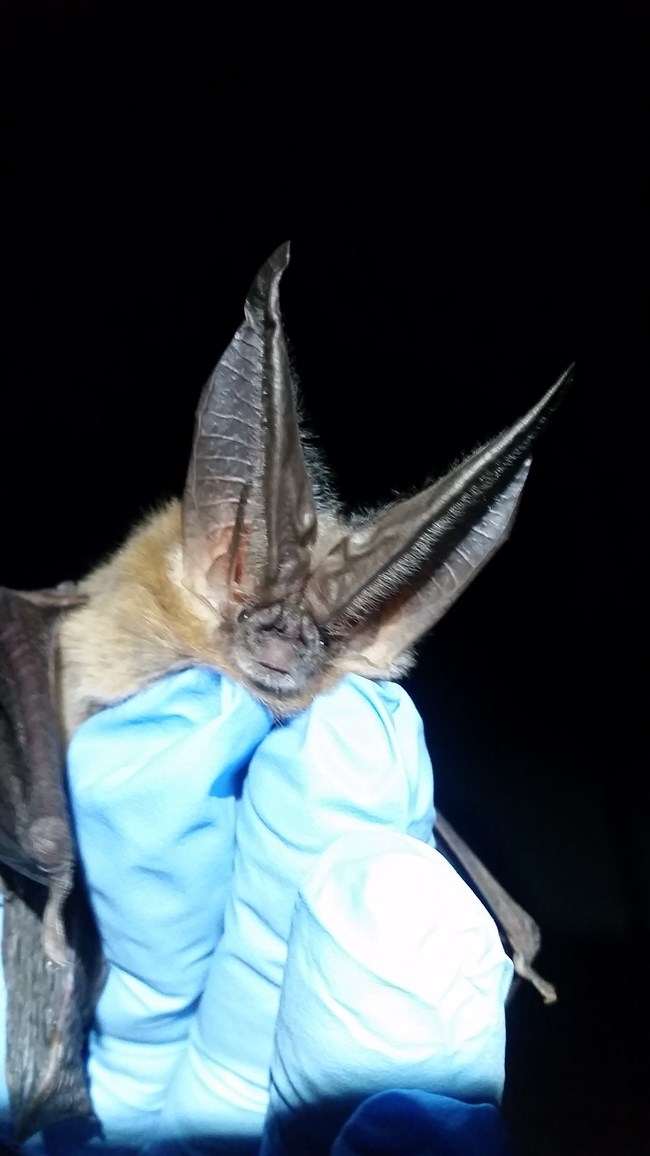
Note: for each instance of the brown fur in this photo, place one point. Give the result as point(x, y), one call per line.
point(141, 622)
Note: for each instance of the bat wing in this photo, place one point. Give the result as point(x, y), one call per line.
point(516, 926)
point(50, 950)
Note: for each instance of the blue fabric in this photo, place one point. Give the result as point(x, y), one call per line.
point(200, 825)
point(155, 783)
point(355, 761)
point(407, 1123)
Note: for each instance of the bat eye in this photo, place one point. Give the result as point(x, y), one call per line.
point(243, 614)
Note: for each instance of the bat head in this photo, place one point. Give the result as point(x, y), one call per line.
point(300, 595)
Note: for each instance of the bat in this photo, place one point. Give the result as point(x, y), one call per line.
point(258, 574)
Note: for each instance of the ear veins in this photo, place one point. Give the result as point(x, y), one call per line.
point(378, 555)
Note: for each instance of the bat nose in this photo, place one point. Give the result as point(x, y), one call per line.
point(287, 623)
point(294, 625)
point(282, 640)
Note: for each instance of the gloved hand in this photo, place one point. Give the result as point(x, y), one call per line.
point(270, 902)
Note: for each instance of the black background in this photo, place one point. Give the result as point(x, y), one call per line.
point(465, 192)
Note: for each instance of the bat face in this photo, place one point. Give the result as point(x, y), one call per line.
point(302, 595)
point(278, 649)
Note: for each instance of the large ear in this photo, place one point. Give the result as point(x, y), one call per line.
point(248, 510)
point(387, 581)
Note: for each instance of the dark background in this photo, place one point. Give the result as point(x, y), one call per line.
point(465, 193)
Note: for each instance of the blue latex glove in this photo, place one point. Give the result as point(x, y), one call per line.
point(194, 872)
point(406, 1123)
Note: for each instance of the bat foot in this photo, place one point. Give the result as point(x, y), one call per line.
point(524, 969)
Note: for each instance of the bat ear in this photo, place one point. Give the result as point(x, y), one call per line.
point(393, 627)
point(248, 510)
point(390, 579)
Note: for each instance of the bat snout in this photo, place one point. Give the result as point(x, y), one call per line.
point(279, 648)
point(277, 654)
